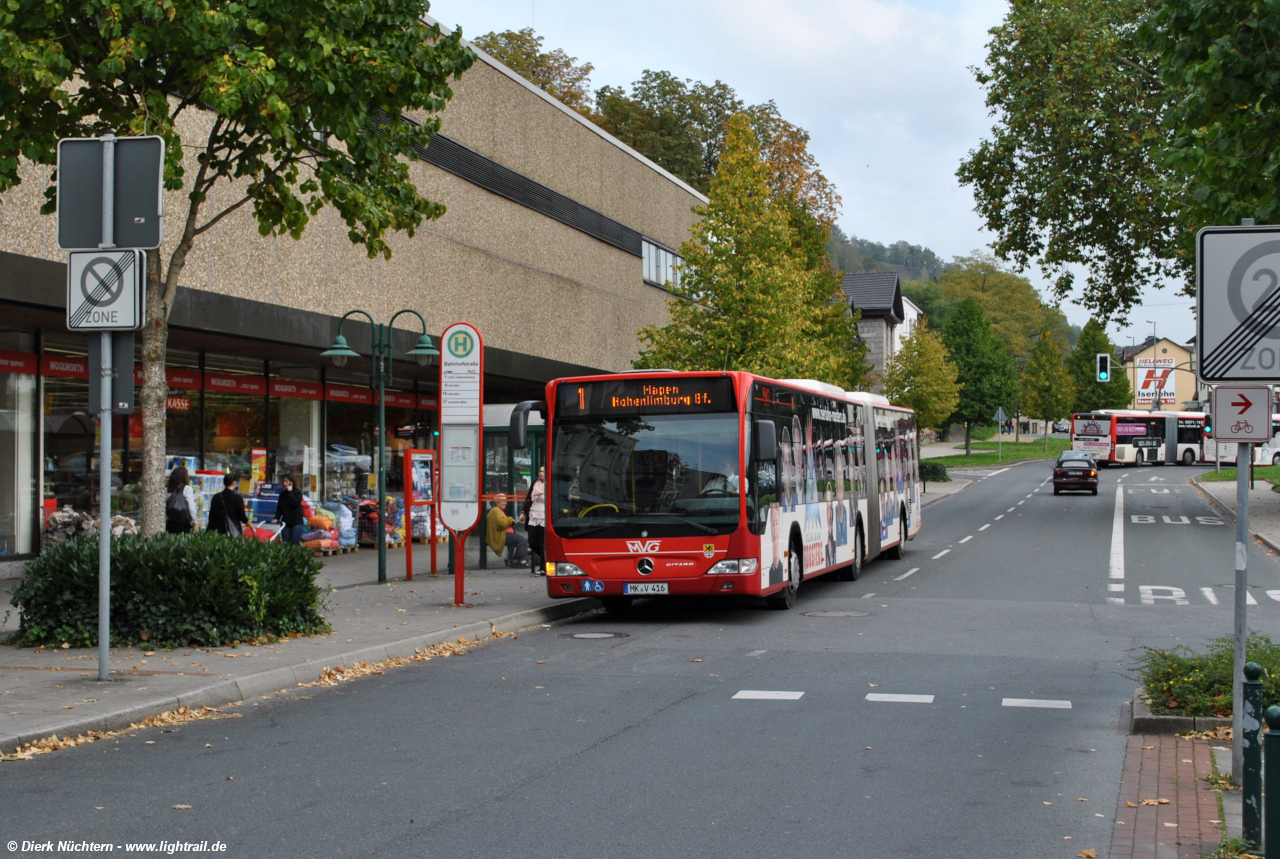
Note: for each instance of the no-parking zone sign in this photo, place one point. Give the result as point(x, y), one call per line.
point(1238, 303)
point(105, 290)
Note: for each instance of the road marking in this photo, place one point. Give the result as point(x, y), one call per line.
point(985, 527)
point(899, 699)
point(1011, 509)
point(940, 554)
point(758, 695)
point(1028, 495)
point(756, 652)
point(1020, 503)
point(994, 473)
point(1115, 586)
point(1115, 600)
point(917, 569)
point(1036, 702)
point(868, 596)
point(1275, 595)
point(1001, 516)
point(1149, 596)
point(967, 539)
point(1184, 520)
point(1117, 537)
point(1210, 595)
point(1159, 491)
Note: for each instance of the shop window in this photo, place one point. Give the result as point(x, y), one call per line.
point(17, 448)
point(348, 454)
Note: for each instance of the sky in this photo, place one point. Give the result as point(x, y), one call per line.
point(882, 86)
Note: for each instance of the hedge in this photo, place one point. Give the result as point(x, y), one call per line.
point(1185, 682)
point(933, 472)
point(171, 590)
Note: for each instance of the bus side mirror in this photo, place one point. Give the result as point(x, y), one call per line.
point(764, 442)
point(519, 438)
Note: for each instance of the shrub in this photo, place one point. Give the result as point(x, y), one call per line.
point(170, 590)
point(1182, 682)
point(933, 472)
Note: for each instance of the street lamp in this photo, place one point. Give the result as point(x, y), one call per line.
point(1155, 400)
point(422, 353)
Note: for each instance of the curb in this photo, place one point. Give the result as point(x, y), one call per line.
point(223, 692)
point(937, 498)
point(1143, 721)
point(1230, 514)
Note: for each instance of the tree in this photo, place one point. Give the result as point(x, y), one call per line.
point(750, 296)
point(1047, 387)
point(554, 72)
point(1090, 394)
point(1070, 174)
point(922, 377)
point(929, 297)
point(1010, 301)
point(985, 370)
point(282, 106)
point(679, 124)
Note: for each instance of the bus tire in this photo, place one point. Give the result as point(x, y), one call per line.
point(898, 552)
point(786, 598)
point(1188, 457)
point(1275, 460)
point(616, 605)
point(851, 572)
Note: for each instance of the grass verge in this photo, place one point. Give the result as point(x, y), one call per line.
point(1270, 473)
point(986, 453)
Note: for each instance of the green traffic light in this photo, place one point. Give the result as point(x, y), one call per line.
point(1103, 375)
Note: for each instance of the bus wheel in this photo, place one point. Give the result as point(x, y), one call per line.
point(851, 572)
point(898, 552)
point(786, 598)
point(616, 605)
point(1189, 458)
point(1275, 460)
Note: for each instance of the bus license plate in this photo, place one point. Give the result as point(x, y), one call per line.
point(644, 588)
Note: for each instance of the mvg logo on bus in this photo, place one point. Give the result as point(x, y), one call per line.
point(642, 546)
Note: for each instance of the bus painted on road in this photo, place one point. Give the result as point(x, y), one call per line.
point(665, 483)
point(1130, 437)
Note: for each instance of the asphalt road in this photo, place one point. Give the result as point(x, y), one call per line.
point(965, 701)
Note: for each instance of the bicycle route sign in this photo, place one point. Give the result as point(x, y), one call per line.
point(1242, 413)
point(1238, 303)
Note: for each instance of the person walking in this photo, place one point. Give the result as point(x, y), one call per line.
point(226, 513)
point(500, 534)
point(535, 518)
point(180, 506)
point(289, 512)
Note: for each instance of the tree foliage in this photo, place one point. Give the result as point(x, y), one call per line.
point(554, 71)
point(984, 368)
point(1069, 175)
point(1048, 390)
point(284, 107)
point(1010, 301)
point(913, 262)
point(756, 293)
point(921, 376)
point(1090, 394)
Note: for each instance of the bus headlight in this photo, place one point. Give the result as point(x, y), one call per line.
point(563, 569)
point(744, 567)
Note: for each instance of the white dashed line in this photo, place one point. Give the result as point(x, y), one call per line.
point(1117, 537)
point(1011, 509)
point(756, 653)
point(1028, 496)
point(757, 695)
point(917, 569)
point(940, 554)
point(1001, 516)
point(967, 539)
point(899, 699)
point(985, 527)
point(1020, 503)
point(1036, 702)
point(867, 596)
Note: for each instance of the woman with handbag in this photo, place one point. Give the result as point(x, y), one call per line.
point(180, 506)
point(535, 516)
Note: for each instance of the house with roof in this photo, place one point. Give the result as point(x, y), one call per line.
point(887, 316)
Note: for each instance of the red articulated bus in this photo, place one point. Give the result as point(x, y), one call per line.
point(663, 483)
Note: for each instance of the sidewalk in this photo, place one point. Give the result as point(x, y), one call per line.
point(48, 691)
point(1264, 507)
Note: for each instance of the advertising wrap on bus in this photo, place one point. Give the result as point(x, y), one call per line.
point(719, 483)
point(1131, 437)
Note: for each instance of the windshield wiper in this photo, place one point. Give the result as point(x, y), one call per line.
point(684, 520)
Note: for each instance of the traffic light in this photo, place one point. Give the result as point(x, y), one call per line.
point(1104, 367)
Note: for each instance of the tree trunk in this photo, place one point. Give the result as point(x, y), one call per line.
point(1017, 427)
point(155, 388)
point(967, 425)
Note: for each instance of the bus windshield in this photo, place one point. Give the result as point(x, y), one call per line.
point(666, 475)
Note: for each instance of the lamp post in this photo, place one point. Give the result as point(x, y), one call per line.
point(340, 353)
point(1155, 400)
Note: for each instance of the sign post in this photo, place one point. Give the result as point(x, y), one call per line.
point(1238, 332)
point(461, 439)
point(109, 191)
point(419, 491)
point(999, 417)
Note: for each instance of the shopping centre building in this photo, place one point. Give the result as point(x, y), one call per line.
point(557, 243)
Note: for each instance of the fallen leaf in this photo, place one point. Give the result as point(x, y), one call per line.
point(1081, 799)
point(1048, 803)
point(1066, 838)
point(208, 745)
point(542, 662)
point(868, 748)
point(183, 807)
point(230, 778)
point(67, 708)
point(1187, 761)
point(873, 684)
point(1171, 824)
point(1146, 747)
point(151, 742)
point(1215, 821)
point(66, 646)
point(1090, 853)
point(1155, 802)
point(695, 660)
point(148, 653)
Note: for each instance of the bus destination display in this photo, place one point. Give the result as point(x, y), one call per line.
point(645, 397)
